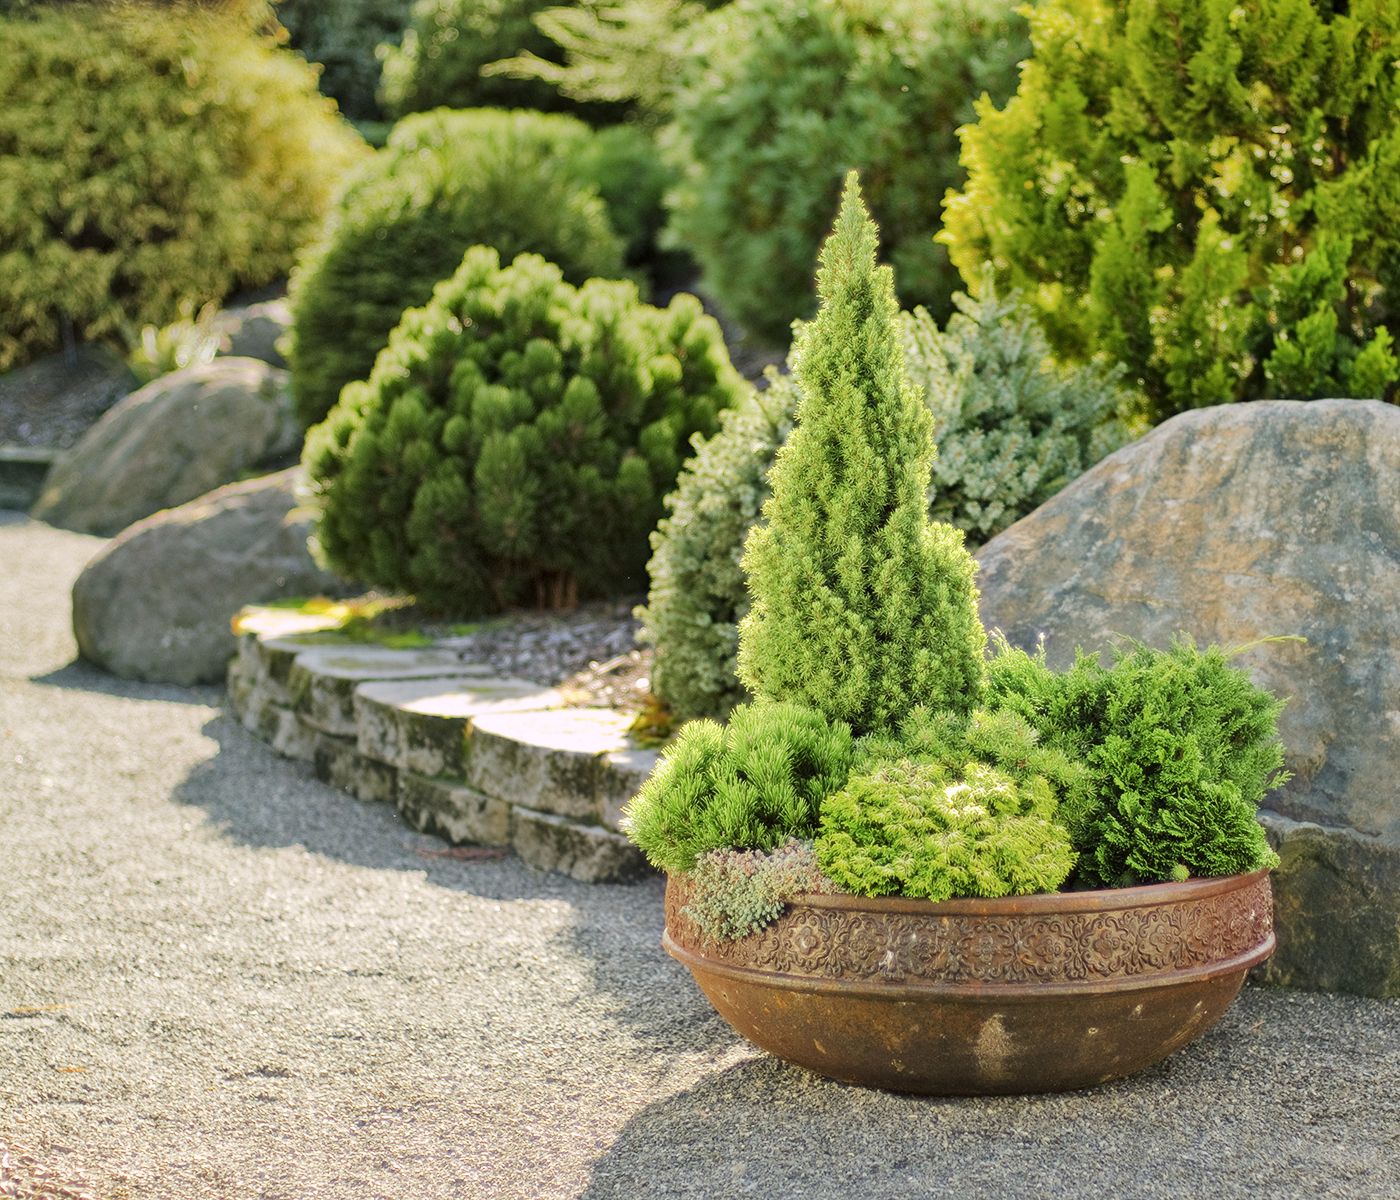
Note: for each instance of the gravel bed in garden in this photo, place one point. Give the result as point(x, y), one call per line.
point(220, 978)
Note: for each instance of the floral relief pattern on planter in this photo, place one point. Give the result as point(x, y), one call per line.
point(824, 941)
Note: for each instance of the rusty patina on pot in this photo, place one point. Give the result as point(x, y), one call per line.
point(1026, 994)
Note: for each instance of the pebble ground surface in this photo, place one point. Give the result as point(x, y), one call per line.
point(221, 978)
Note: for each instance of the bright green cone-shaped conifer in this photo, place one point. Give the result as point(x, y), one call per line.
point(860, 608)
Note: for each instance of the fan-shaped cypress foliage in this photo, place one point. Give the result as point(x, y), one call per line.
point(861, 608)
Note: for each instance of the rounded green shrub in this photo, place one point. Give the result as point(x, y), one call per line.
point(344, 36)
point(1012, 428)
point(923, 830)
point(1208, 191)
point(749, 785)
point(515, 438)
point(860, 606)
point(782, 97)
point(447, 42)
point(401, 223)
point(1181, 748)
point(150, 161)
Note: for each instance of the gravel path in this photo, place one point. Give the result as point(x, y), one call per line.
point(219, 978)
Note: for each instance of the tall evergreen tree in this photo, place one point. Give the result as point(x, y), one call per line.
point(860, 607)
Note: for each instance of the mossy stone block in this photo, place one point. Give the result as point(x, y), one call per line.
point(549, 761)
point(453, 811)
point(323, 679)
point(419, 725)
point(588, 853)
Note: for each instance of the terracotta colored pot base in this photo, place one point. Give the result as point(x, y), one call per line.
point(970, 997)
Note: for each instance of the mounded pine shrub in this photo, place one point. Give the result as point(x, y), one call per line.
point(401, 223)
point(1180, 746)
point(151, 160)
point(751, 784)
point(1208, 191)
point(925, 830)
point(1012, 428)
point(515, 438)
point(781, 97)
point(861, 608)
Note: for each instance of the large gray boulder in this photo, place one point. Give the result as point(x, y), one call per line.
point(53, 401)
point(1236, 524)
point(157, 602)
point(255, 331)
point(180, 436)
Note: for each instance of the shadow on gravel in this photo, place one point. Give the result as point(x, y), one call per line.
point(84, 677)
point(1279, 1099)
point(260, 799)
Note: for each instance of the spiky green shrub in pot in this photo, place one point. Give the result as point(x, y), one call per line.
point(445, 181)
point(515, 438)
point(860, 607)
point(150, 162)
point(781, 97)
point(1207, 191)
point(438, 62)
point(952, 807)
point(1012, 427)
point(750, 785)
point(1180, 748)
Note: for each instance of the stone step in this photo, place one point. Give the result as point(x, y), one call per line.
point(586, 852)
point(420, 725)
point(323, 679)
point(459, 752)
point(576, 762)
point(453, 810)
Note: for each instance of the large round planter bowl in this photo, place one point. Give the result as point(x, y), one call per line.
point(1026, 994)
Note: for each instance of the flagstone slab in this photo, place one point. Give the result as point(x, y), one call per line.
point(553, 762)
point(586, 852)
point(420, 725)
point(323, 679)
point(453, 810)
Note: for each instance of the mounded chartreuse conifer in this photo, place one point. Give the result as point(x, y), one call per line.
point(515, 438)
point(861, 608)
point(1206, 190)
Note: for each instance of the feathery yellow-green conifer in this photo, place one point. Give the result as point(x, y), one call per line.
point(861, 608)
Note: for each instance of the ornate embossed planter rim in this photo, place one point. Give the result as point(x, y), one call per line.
point(1024, 994)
